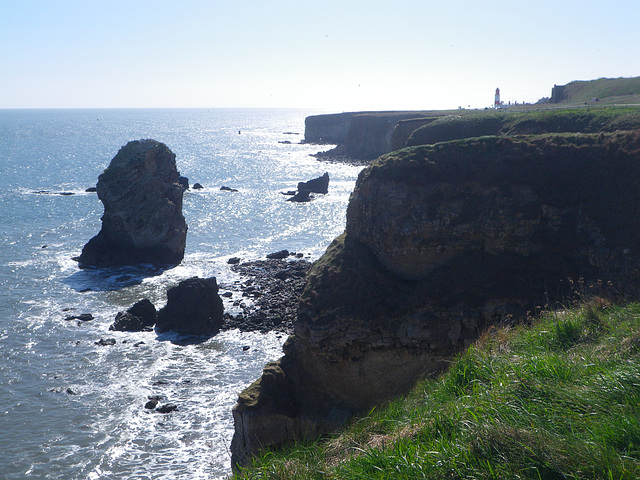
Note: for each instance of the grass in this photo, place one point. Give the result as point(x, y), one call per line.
point(585, 120)
point(557, 399)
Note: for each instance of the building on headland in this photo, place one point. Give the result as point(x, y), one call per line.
point(497, 103)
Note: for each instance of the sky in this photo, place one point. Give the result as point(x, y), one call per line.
point(334, 55)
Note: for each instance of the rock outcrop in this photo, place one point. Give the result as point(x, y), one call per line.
point(141, 317)
point(442, 241)
point(193, 308)
point(142, 221)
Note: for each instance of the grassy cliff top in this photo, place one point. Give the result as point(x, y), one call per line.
point(605, 90)
point(512, 122)
point(556, 399)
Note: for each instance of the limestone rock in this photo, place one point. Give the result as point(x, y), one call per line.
point(442, 241)
point(142, 221)
point(193, 308)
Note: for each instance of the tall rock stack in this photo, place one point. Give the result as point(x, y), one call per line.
point(142, 221)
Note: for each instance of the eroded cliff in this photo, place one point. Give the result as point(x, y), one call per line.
point(442, 241)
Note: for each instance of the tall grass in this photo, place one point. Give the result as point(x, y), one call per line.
point(556, 400)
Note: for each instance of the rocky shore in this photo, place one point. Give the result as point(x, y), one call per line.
point(268, 295)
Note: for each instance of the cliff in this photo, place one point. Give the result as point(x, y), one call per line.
point(471, 233)
point(359, 135)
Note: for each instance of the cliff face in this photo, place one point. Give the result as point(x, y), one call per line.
point(442, 241)
point(359, 135)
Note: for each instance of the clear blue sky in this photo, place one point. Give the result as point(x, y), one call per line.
point(337, 55)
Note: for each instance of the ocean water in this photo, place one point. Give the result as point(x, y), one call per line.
point(72, 409)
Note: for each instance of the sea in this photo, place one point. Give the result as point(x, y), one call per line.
point(72, 408)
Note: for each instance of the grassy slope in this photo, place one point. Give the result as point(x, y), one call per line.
point(606, 90)
point(585, 120)
point(559, 399)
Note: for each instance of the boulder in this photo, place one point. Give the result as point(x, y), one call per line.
point(193, 308)
point(197, 186)
point(140, 317)
point(184, 182)
point(142, 221)
point(441, 242)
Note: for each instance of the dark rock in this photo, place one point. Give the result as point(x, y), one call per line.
point(91, 189)
point(233, 261)
point(197, 186)
point(289, 193)
point(275, 295)
point(246, 348)
point(84, 317)
point(227, 295)
point(184, 182)
point(278, 255)
point(317, 185)
point(142, 221)
point(106, 342)
point(193, 308)
point(151, 404)
point(167, 408)
point(228, 189)
point(302, 196)
point(140, 317)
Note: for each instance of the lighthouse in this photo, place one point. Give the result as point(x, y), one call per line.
point(496, 103)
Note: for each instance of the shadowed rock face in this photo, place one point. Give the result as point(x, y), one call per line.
point(442, 241)
point(142, 221)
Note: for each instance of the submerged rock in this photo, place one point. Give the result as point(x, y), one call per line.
point(142, 221)
point(193, 308)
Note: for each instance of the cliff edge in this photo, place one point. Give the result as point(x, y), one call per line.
point(442, 241)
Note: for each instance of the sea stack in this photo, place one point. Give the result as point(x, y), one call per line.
point(142, 221)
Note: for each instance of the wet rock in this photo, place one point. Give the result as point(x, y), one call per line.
point(278, 255)
point(274, 287)
point(228, 189)
point(193, 308)
point(184, 182)
point(197, 186)
point(91, 190)
point(84, 317)
point(105, 342)
point(142, 221)
point(167, 408)
point(138, 318)
point(233, 261)
point(300, 197)
point(317, 185)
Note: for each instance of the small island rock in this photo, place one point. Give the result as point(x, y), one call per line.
point(142, 221)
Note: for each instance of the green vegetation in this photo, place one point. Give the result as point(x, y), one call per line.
point(605, 90)
point(566, 120)
point(556, 399)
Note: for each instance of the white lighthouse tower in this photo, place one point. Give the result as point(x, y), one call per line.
point(496, 103)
